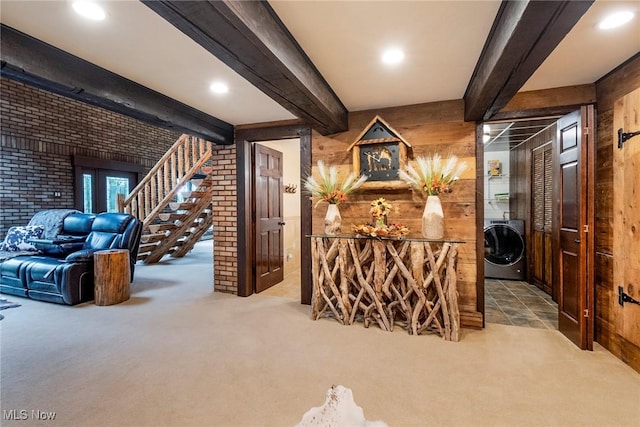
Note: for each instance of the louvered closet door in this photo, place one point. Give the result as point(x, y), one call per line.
point(542, 197)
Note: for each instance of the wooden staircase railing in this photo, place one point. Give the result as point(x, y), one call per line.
point(163, 182)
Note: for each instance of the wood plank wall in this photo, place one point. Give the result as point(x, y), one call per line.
point(430, 128)
point(520, 202)
point(613, 86)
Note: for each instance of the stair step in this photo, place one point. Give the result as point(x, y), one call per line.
point(147, 247)
point(152, 238)
point(181, 206)
point(199, 183)
point(197, 194)
point(180, 240)
point(156, 228)
point(202, 216)
point(172, 216)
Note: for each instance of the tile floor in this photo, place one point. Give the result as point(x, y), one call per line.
point(518, 303)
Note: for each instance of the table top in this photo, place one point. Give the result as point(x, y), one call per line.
point(408, 238)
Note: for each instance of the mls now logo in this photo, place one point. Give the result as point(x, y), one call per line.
point(23, 414)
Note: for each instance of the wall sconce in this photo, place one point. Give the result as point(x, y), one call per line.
point(290, 188)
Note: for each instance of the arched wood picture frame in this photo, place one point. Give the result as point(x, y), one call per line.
point(379, 152)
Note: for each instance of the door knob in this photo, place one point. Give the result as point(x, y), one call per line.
point(281, 223)
point(577, 241)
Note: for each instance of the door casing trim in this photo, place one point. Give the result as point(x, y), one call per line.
point(243, 140)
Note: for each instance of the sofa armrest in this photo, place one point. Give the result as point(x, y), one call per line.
point(59, 246)
point(83, 255)
point(58, 240)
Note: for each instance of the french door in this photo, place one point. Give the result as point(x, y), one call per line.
point(98, 183)
point(100, 189)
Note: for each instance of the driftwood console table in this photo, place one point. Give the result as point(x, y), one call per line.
point(411, 281)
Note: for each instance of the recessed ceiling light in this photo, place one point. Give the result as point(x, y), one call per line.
point(89, 10)
point(392, 56)
point(219, 88)
point(615, 20)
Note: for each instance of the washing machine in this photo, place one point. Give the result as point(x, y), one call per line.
point(504, 249)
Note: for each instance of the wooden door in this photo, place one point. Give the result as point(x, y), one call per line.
point(110, 183)
point(542, 218)
point(97, 190)
point(269, 236)
point(573, 211)
point(626, 220)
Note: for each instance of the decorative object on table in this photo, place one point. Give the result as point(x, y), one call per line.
point(332, 221)
point(433, 176)
point(395, 231)
point(380, 209)
point(433, 219)
point(379, 152)
point(379, 227)
point(328, 189)
point(339, 409)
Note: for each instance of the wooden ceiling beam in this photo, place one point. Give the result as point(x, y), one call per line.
point(523, 35)
point(249, 37)
point(39, 64)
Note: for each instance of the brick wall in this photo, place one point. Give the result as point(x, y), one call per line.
point(225, 223)
point(41, 131)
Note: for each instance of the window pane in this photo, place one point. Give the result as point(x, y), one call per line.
point(115, 186)
point(87, 193)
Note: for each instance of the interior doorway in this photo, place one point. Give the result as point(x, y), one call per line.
point(550, 193)
point(513, 202)
point(289, 285)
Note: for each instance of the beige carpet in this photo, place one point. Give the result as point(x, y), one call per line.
point(178, 354)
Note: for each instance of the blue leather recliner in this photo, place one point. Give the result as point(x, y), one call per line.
point(63, 271)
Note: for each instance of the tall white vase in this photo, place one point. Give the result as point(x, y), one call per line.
point(433, 219)
point(332, 221)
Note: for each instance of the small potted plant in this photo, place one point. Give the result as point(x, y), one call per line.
point(433, 176)
point(327, 188)
point(380, 228)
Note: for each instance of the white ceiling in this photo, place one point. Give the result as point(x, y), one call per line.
point(442, 41)
point(587, 53)
point(136, 43)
